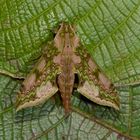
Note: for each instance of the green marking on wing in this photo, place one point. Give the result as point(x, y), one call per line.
point(40, 84)
point(94, 85)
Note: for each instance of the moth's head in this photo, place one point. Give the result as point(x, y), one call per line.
point(66, 36)
point(66, 29)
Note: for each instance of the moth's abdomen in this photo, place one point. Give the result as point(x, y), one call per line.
point(66, 81)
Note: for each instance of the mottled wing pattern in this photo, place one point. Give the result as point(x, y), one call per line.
point(40, 83)
point(93, 83)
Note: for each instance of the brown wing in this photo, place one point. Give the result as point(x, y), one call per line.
point(40, 83)
point(94, 84)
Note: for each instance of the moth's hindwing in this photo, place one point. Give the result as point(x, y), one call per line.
point(94, 84)
point(40, 83)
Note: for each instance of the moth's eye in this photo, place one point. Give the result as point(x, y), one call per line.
point(62, 34)
point(71, 34)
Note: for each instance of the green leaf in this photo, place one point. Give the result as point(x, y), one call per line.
point(110, 31)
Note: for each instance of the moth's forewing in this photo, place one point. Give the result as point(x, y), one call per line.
point(40, 83)
point(93, 83)
point(33, 77)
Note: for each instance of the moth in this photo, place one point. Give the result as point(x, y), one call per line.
point(63, 59)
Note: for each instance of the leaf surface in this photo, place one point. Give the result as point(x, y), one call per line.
point(109, 30)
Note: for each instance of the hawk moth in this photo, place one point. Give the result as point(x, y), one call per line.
point(55, 71)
